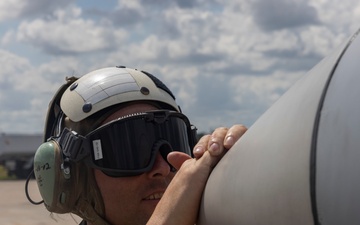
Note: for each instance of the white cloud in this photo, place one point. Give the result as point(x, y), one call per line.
point(10, 9)
point(17, 9)
point(25, 90)
point(68, 33)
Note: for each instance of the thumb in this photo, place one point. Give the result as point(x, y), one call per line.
point(176, 159)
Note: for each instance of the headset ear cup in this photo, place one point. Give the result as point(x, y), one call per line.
point(46, 161)
point(54, 178)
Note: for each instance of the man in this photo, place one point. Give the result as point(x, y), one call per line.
point(115, 140)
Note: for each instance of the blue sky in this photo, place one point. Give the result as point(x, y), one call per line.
point(227, 62)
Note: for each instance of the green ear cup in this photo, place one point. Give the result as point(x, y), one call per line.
point(44, 169)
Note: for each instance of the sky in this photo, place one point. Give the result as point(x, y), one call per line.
point(226, 62)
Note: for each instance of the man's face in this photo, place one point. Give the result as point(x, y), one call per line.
point(132, 200)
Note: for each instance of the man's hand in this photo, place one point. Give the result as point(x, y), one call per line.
point(216, 144)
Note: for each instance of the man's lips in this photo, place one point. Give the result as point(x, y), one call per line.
point(155, 196)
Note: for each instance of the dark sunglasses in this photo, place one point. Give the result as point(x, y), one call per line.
point(129, 145)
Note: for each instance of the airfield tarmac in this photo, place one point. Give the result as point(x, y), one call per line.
point(15, 209)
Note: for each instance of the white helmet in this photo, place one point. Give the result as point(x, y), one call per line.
point(110, 86)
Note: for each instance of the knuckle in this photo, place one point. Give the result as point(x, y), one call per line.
point(204, 138)
point(220, 131)
point(238, 129)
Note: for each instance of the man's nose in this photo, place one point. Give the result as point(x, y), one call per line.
point(161, 167)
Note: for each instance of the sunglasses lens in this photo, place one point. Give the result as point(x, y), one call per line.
point(128, 146)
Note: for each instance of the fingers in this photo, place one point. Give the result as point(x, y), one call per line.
point(221, 139)
point(212, 143)
point(233, 134)
point(201, 146)
point(215, 145)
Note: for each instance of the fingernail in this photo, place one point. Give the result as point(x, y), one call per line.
point(230, 141)
point(198, 149)
point(214, 147)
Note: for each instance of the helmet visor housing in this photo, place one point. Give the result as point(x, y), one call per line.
point(129, 145)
